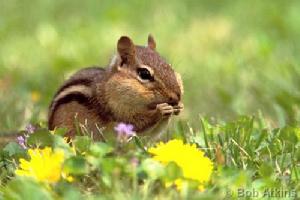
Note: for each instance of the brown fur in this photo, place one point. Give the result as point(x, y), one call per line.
point(117, 94)
point(73, 112)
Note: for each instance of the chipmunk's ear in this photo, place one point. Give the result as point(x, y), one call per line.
point(126, 50)
point(151, 42)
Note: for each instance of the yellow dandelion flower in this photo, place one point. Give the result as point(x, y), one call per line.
point(44, 165)
point(194, 165)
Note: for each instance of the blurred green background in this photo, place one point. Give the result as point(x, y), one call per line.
point(235, 57)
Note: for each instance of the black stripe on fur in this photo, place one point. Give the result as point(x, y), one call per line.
point(75, 96)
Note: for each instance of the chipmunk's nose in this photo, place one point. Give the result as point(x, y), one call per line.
point(174, 99)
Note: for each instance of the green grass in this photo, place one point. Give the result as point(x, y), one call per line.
point(240, 68)
point(247, 155)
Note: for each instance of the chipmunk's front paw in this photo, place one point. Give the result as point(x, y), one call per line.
point(178, 108)
point(165, 109)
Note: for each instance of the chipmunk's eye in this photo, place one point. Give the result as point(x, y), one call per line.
point(145, 74)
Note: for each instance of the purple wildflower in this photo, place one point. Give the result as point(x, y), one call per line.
point(30, 128)
point(22, 140)
point(124, 131)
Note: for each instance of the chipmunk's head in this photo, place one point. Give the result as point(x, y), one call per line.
point(141, 78)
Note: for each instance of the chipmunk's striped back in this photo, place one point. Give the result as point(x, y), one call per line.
point(77, 89)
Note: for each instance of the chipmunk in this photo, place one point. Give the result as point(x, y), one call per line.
point(138, 87)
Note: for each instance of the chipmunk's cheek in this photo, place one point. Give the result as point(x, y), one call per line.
point(127, 92)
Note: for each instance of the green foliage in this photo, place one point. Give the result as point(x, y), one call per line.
point(82, 143)
point(76, 165)
point(23, 188)
point(267, 156)
point(41, 138)
point(13, 149)
point(247, 155)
